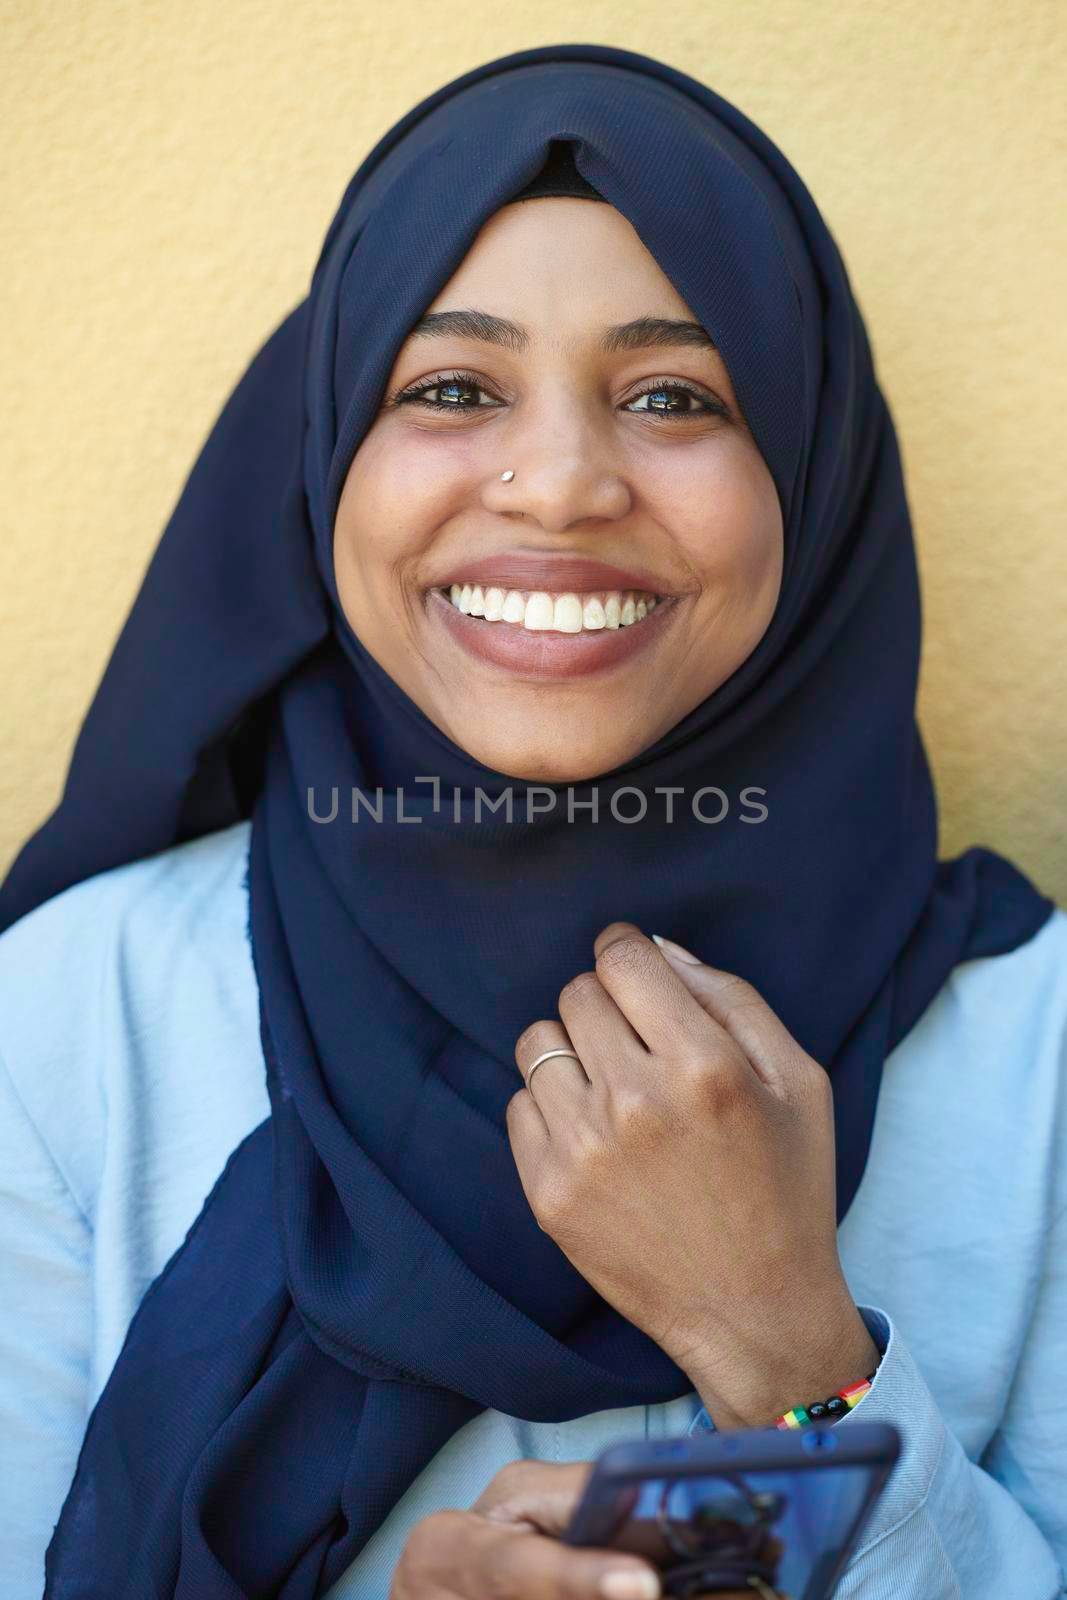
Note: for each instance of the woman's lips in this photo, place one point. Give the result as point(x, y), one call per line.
point(544, 653)
point(554, 572)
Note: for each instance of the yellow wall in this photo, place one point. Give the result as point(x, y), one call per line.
point(169, 173)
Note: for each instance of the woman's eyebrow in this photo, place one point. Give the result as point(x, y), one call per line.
point(641, 334)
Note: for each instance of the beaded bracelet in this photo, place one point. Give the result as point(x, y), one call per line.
point(838, 1405)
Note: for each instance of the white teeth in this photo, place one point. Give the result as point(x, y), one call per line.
point(541, 612)
point(567, 616)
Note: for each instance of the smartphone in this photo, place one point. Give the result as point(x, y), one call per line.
point(757, 1511)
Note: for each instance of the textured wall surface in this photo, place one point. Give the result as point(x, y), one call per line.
point(170, 171)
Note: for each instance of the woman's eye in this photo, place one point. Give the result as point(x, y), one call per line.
point(458, 381)
point(678, 396)
point(664, 400)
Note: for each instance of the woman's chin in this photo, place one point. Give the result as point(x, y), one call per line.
point(526, 764)
point(555, 773)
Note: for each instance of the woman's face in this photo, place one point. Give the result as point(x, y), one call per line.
point(503, 609)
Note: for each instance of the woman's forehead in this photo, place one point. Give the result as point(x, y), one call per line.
point(555, 264)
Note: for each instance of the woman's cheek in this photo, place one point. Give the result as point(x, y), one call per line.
point(377, 527)
point(400, 495)
point(735, 541)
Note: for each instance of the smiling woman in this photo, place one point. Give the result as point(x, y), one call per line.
point(363, 1176)
point(642, 499)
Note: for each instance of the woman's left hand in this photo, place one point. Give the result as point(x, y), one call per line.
point(688, 1174)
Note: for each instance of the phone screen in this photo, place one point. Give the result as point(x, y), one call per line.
point(771, 1532)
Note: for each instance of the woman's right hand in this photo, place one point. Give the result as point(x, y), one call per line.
point(508, 1547)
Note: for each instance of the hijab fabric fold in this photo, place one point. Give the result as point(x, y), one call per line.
point(366, 1275)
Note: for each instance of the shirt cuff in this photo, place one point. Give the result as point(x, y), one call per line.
point(898, 1395)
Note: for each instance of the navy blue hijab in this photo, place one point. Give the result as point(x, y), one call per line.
point(366, 1275)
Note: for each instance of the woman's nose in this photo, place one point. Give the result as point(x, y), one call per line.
point(556, 486)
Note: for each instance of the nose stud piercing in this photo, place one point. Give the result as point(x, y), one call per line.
point(507, 476)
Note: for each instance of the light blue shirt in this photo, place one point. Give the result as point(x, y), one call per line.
point(129, 1034)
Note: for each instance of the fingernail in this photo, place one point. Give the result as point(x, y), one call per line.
point(630, 1583)
point(669, 948)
